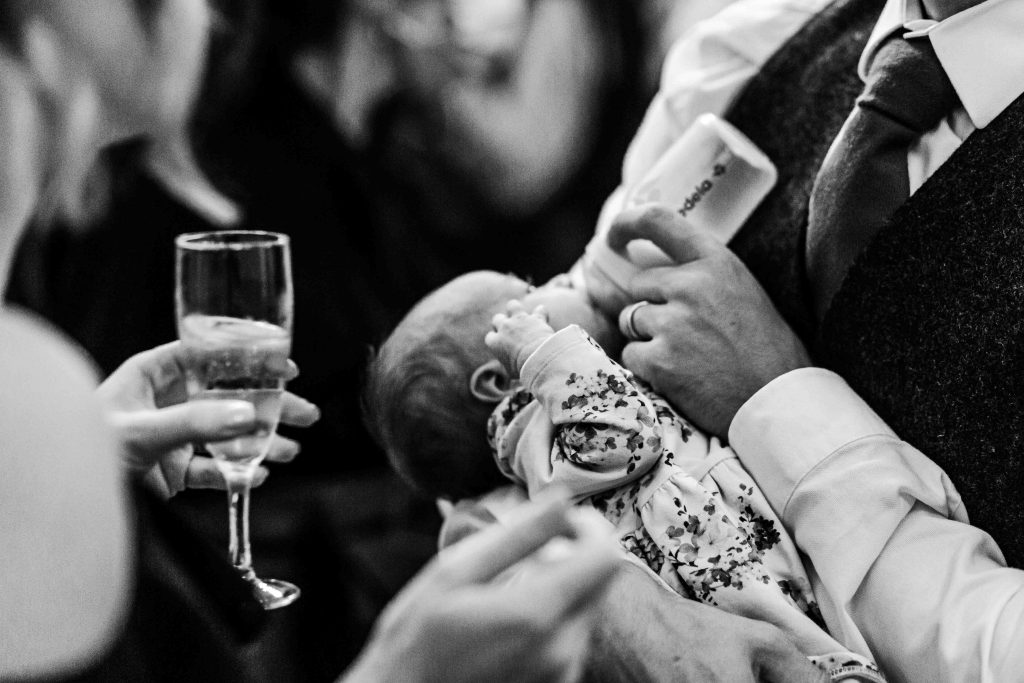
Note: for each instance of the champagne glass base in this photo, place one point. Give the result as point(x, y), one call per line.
point(274, 593)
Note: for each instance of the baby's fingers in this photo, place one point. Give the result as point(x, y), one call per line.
point(541, 312)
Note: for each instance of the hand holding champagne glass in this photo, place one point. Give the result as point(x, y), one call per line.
point(234, 306)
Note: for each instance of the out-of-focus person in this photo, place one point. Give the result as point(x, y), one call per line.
point(404, 142)
point(76, 76)
point(68, 89)
point(320, 119)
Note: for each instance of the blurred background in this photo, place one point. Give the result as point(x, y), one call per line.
point(399, 143)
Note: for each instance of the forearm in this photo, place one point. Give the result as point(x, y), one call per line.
point(899, 570)
point(938, 604)
point(708, 65)
point(646, 632)
point(378, 664)
point(364, 670)
point(628, 640)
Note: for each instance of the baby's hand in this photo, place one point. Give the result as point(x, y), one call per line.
point(515, 334)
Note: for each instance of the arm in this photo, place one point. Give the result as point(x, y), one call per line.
point(597, 429)
point(886, 534)
point(647, 632)
point(703, 72)
point(65, 534)
point(898, 568)
point(708, 66)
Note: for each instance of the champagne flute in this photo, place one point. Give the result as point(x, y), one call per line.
point(233, 300)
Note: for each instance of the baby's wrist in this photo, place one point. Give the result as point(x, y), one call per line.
point(528, 349)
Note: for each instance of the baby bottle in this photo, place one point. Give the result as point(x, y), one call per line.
point(713, 175)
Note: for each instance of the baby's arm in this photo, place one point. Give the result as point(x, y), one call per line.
point(607, 431)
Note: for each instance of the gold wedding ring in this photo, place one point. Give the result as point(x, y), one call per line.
point(626, 323)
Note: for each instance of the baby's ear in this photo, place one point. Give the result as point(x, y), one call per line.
point(490, 382)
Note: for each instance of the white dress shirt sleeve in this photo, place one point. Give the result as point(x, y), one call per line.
point(895, 565)
point(703, 72)
point(708, 66)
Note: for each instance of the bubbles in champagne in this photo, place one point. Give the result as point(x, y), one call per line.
point(230, 358)
point(232, 353)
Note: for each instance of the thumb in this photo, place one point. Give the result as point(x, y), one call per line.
point(152, 433)
point(673, 234)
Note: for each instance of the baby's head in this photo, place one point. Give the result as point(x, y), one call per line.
point(433, 384)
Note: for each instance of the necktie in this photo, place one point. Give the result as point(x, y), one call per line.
point(863, 178)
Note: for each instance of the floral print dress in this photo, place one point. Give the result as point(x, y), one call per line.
point(679, 500)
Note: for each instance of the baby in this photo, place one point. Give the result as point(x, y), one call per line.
point(478, 368)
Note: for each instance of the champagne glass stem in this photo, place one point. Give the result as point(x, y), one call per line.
point(238, 525)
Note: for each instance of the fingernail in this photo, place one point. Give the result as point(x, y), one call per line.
point(311, 409)
point(260, 476)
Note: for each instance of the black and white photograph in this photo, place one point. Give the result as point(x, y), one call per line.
point(512, 341)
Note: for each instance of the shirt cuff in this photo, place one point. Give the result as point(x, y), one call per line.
point(794, 423)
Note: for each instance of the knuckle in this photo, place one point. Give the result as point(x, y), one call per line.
point(633, 359)
point(642, 361)
point(676, 323)
point(660, 367)
point(678, 282)
point(731, 268)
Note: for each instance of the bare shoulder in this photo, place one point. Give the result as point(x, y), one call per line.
point(65, 533)
point(31, 345)
point(46, 396)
